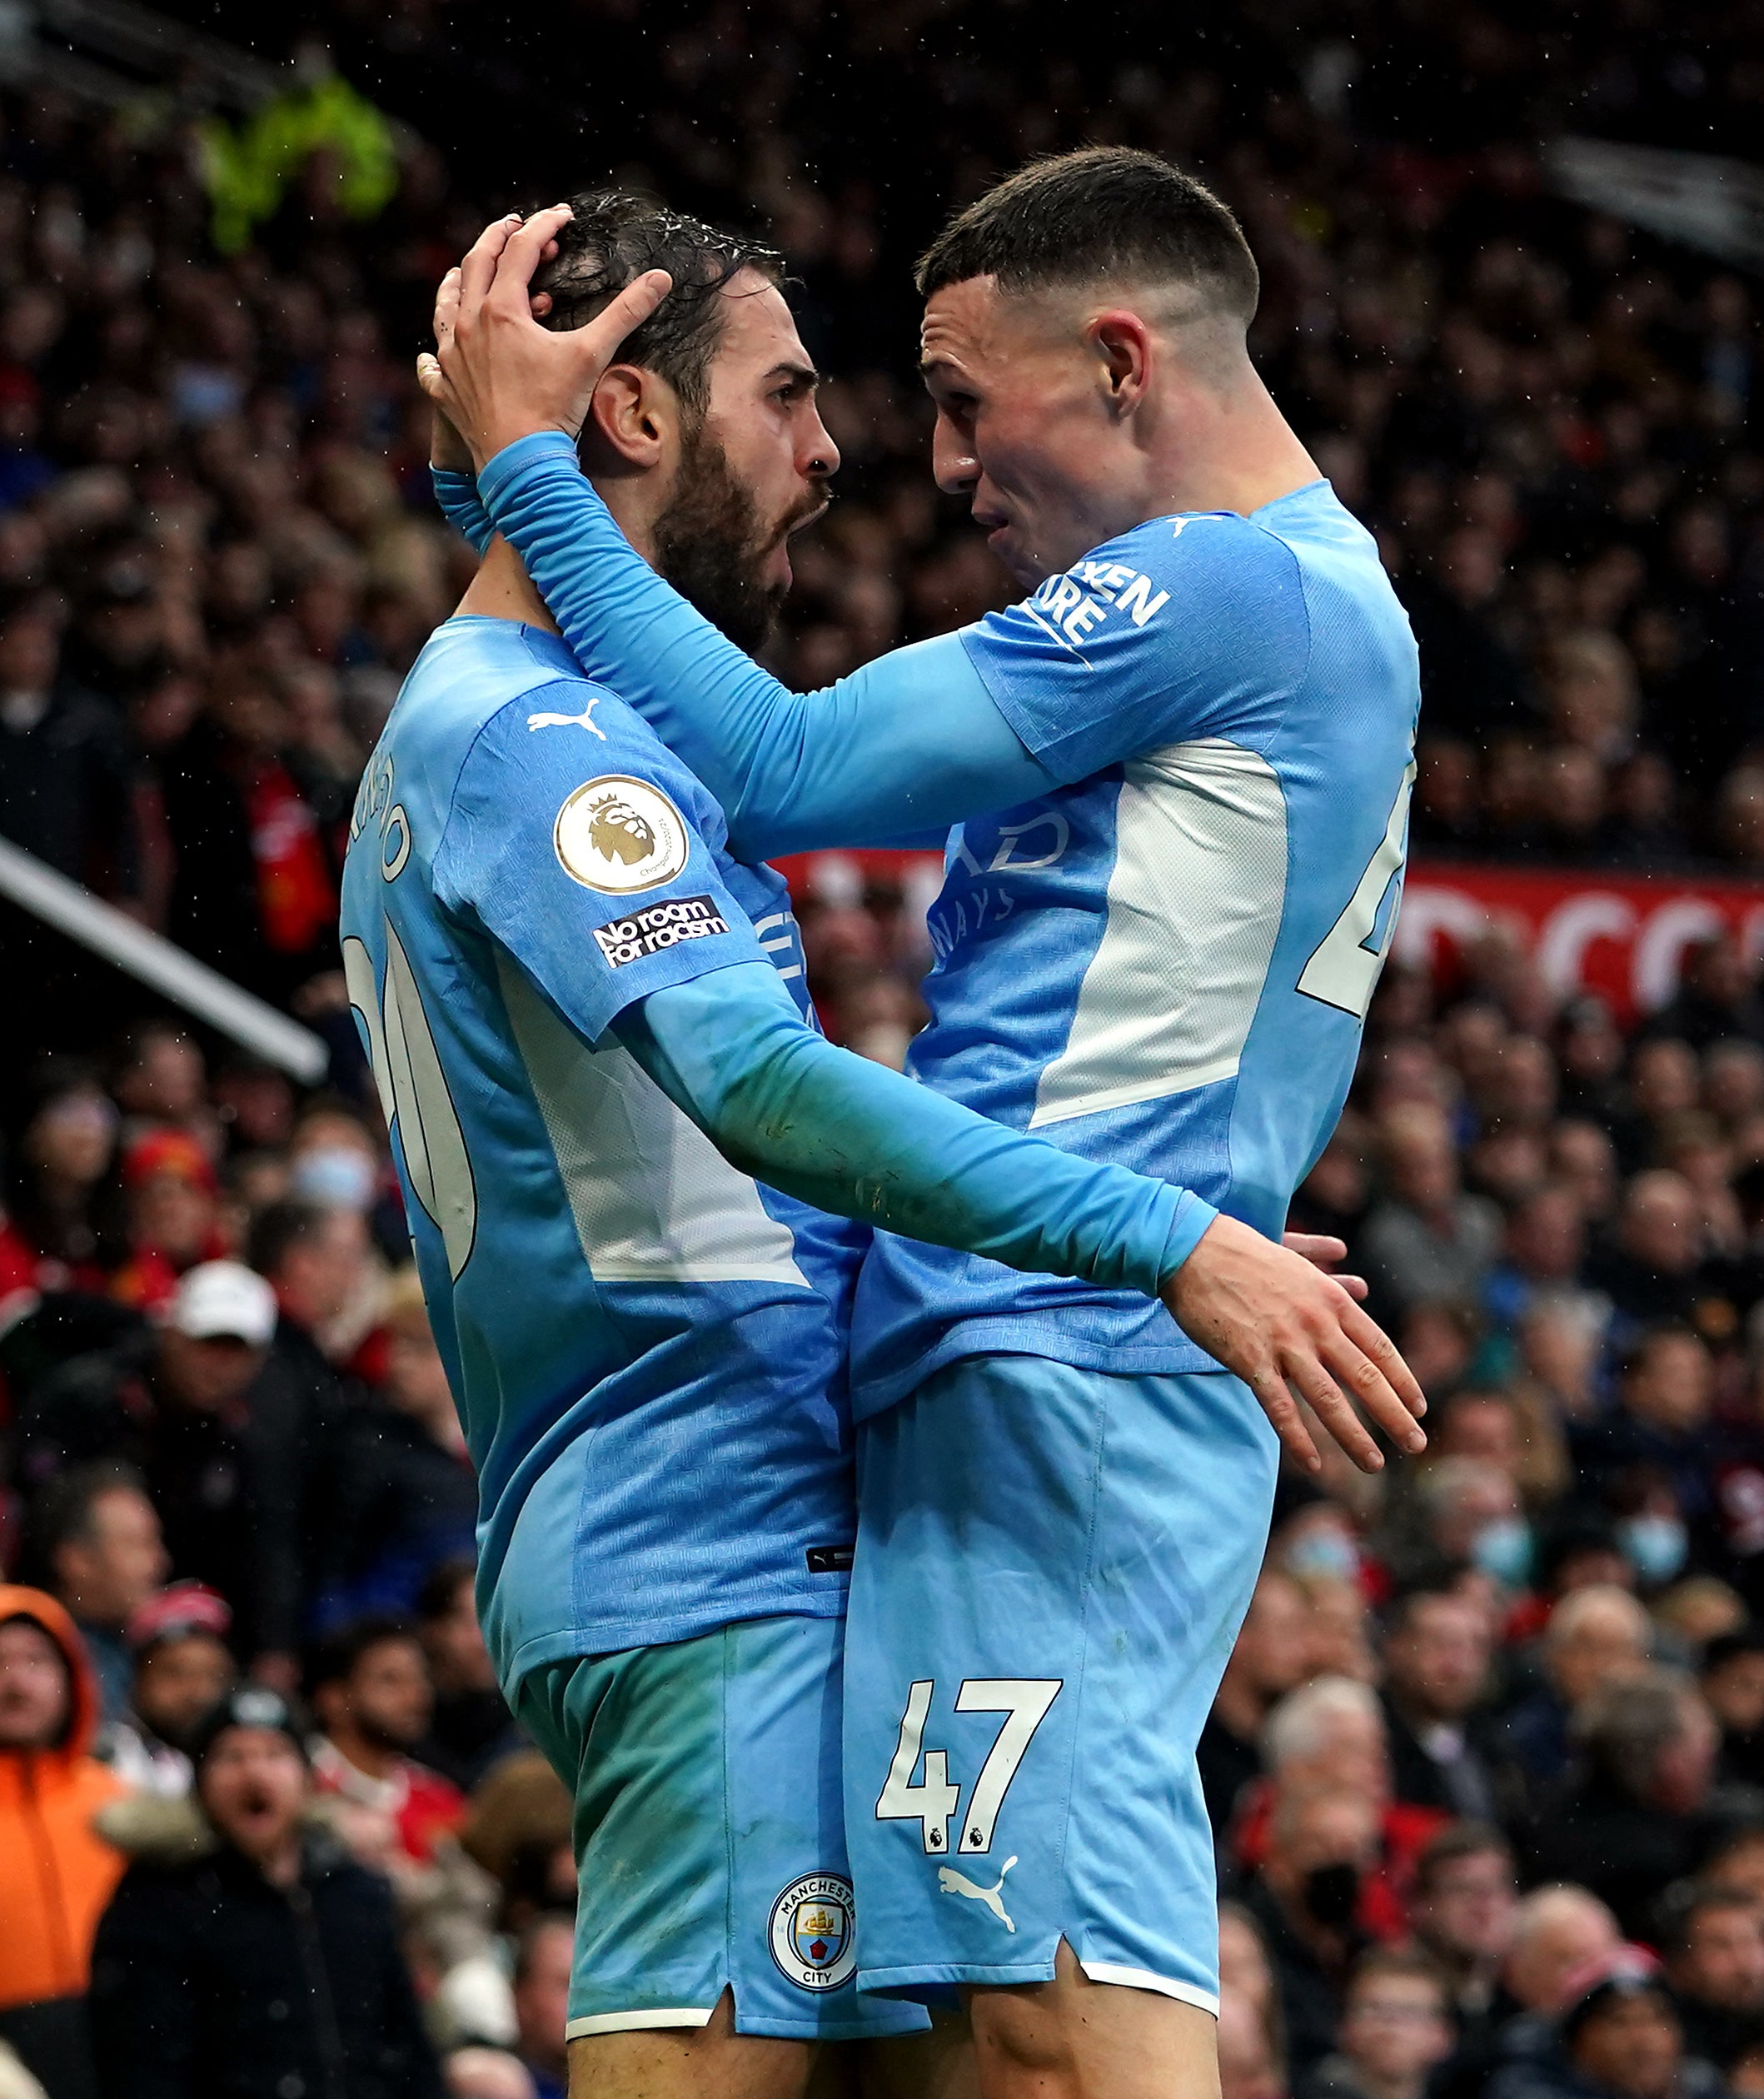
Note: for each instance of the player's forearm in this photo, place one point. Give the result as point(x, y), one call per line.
point(913, 741)
point(860, 1140)
point(457, 494)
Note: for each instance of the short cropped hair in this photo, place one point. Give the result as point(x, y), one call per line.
point(335, 1658)
point(1457, 1841)
point(613, 237)
point(1406, 1964)
point(1105, 212)
point(66, 1513)
point(278, 1229)
point(1683, 1907)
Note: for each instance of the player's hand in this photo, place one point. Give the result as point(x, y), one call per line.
point(1322, 1250)
point(496, 375)
point(1292, 1333)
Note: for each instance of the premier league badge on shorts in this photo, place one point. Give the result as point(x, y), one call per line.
point(811, 1933)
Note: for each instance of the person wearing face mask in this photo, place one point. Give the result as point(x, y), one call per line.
point(1305, 1899)
point(1331, 1732)
point(334, 1162)
point(1640, 1810)
point(1464, 1509)
point(1651, 1532)
point(1662, 1427)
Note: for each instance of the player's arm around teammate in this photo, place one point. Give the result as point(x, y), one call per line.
point(1293, 1333)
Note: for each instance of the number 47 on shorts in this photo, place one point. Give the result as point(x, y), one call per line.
point(931, 1801)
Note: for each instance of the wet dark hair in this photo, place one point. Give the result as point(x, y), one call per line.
point(616, 235)
point(1107, 210)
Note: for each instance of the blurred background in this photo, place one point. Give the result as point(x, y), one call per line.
point(1487, 1770)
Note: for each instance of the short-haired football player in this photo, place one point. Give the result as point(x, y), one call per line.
point(1179, 772)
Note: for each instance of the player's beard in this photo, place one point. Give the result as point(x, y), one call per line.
point(711, 546)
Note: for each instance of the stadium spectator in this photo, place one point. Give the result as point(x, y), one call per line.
point(543, 1960)
point(312, 1260)
point(64, 761)
point(1663, 1426)
point(1251, 2038)
point(183, 1668)
point(1620, 2036)
point(171, 1211)
point(178, 1403)
point(1594, 1636)
point(1438, 1650)
point(1713, 1940)
point(369, 1690)
point(1466, 1912)
point(1394, 2030)
point(1428, 1241)
point(1653, 1270)
point(398, 1488)
point(1731, 1678)
point(1271, 1656)
point(472, 1729)
point(244, 1950)
point(1638, 1815)
point(97, 1537)
point(64, 1153)
point(56, 1872)
point(1559, 1934)
point(1304, 1899)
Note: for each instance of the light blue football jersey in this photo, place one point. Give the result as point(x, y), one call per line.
point(1167, 963)
point(647, 1347)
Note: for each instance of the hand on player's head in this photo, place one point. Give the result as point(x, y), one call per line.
point(496, 375)
point(1294, 1334)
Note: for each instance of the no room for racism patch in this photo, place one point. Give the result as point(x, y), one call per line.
point(661, 925)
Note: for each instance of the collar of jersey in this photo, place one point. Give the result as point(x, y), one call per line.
point(546, 647)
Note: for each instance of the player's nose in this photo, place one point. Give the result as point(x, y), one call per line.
point(820, 456)
point(953, 464)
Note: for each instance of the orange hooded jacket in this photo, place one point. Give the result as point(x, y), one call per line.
point(56, 1874)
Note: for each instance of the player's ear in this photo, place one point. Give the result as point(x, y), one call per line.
point(1123, 344)
point(629, 417)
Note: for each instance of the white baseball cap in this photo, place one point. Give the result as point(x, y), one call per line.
point(224, 1297)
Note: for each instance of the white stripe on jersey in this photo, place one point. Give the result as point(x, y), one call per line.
point(653, 1200)
point(1194, 904)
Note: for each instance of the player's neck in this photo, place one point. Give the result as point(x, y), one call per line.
point(503, 589)
point(1239, 454)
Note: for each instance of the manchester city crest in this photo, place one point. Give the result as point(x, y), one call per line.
point(811, 1931)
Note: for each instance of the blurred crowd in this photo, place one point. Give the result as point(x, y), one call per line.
point(1488, 1770)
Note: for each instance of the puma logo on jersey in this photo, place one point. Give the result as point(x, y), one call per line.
point(955, 1883)
point(583, 720)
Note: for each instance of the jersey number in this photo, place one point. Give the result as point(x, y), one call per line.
point(931, 1801)
point(1345, 968)
point(413, 1094)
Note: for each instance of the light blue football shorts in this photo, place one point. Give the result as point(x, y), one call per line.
point(1052, 1566)
point(709, 1831)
